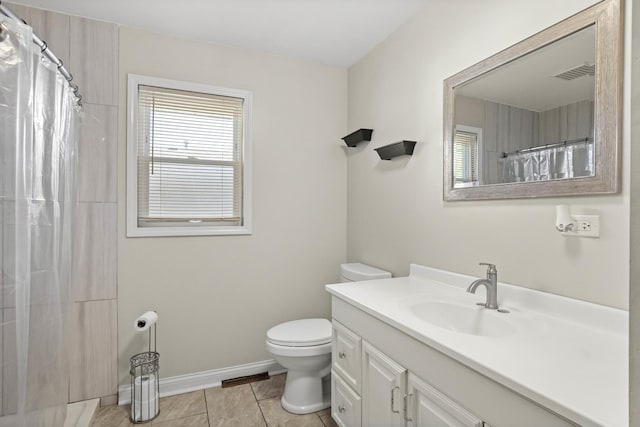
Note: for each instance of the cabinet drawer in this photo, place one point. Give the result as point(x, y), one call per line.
point(346, 405)
point(346, 354)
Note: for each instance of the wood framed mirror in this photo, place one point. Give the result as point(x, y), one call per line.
point(541, 118)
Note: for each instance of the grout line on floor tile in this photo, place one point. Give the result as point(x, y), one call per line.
point(206, 406)
point(259, 407)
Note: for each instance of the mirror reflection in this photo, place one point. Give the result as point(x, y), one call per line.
point(529, 120)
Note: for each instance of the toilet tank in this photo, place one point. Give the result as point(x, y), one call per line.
point(355, 272)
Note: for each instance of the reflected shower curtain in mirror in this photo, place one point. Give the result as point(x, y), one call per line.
point(568, 161)
point(38, 128)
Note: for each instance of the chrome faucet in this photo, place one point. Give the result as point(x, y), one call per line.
point(491, 283)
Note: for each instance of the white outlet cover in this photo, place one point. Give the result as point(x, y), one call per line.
point(593, 220)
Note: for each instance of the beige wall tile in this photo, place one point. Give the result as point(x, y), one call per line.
point(93, 328)
point(109, 400)
point(94, 60)
point(53, 28)
point(47, 377)
point(94, 263)
point(97, 150)
point(92, 350)
point(9, 361)
point(23, 12)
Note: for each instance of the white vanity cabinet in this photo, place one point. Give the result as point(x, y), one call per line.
point(382, 377)
point(426, 406)
point(383, 388)
point(346, 377)
point(346, 404)
point(369, 389)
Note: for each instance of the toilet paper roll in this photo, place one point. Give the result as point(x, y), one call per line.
point(144, 402)
point(145, 388)
point(145, 321)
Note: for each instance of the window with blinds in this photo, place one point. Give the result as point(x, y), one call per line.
point(189, 158)
point(465, 157)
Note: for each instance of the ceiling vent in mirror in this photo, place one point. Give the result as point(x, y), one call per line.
point(579, 71)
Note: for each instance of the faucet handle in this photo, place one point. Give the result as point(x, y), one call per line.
point(491, 268)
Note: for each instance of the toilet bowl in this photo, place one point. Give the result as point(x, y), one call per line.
point(304, 348)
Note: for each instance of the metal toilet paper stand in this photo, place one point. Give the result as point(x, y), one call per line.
point(145, 384)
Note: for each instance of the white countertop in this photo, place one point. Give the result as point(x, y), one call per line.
point(568, 355)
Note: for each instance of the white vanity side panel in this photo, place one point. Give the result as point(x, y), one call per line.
point(492, 402)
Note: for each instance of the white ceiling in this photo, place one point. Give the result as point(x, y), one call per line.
point(335, 32)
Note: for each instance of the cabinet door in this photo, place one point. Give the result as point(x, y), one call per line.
point(345, 403)
point(383, 385)
point(347, 355)
point(427, 407)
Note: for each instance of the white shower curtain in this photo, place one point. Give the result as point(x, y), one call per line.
point(38, 137)
point(568, 161)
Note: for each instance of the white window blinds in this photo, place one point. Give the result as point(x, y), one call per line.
point(189, 157)
point(465, 157)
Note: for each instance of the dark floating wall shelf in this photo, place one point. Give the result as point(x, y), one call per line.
point(358, 136)
point(396, 149)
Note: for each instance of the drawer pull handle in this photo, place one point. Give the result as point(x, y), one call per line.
point(393, 400)
point(341, 409)
point(342, 355)
point(407, 399)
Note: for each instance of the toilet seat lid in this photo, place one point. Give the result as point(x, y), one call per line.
point(301, 333)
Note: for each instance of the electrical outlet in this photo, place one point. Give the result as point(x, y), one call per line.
point(585, 226)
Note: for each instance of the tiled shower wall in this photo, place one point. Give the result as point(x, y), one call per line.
point(89, 50)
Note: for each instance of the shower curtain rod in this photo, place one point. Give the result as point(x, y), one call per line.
point(44, 49)
point(544, 147)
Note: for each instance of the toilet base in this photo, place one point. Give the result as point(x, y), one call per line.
point(301, 410)
point(304, 394)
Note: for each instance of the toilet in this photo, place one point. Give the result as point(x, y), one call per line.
point(303, 347)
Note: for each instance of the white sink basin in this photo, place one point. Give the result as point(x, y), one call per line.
point(464, 318)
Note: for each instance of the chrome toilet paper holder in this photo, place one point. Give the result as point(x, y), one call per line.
point(144, 370)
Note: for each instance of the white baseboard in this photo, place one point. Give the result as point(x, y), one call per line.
point(206, 379)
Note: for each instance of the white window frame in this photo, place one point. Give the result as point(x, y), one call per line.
point(478, 132)
point(133, 230)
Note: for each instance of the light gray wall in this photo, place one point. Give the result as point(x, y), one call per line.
point(396, 214)
point(634, 322)
point(216, 296)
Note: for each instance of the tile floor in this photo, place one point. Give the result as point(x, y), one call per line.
point(248, 405)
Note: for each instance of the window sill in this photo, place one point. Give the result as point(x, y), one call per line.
point(187, 231)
